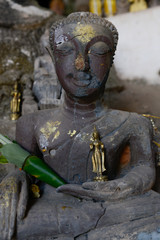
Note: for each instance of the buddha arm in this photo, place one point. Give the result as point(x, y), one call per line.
point(13, 199)
point(25, 134)
point(14, 184)
point(141, 175)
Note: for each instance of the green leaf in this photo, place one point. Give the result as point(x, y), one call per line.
point(14, 153)
point(3, 160)
point(4, 140)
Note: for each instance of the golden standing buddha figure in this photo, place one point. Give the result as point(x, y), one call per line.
point(15, 103)
point(98, 157)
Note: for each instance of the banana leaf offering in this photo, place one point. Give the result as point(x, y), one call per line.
point(11, 152)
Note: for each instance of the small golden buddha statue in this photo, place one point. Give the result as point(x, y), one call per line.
point(15, 103)
point(98, 157)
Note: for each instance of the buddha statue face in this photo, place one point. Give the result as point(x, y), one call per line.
point(83, 55)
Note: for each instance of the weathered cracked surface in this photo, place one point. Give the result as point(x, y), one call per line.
point(67, 218)
point(142, 229)
point(56, 214)
point(136, 219)
point(92, 229)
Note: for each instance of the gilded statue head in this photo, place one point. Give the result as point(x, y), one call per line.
point(83, 46)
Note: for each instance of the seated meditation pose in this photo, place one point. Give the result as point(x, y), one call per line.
point(73, 138)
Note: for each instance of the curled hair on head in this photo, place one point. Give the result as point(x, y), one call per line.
point(85, 18)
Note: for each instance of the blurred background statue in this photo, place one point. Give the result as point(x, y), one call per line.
point(15, 103)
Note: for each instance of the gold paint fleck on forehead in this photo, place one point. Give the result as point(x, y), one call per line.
point(84, 33)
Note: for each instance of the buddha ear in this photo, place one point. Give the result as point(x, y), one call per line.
point(49, 50)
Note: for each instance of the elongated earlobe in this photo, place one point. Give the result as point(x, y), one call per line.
point(49, 50)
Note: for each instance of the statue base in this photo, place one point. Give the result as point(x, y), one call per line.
point(101, 178)
point(14, 116)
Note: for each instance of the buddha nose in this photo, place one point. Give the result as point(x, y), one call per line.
point(80, 63)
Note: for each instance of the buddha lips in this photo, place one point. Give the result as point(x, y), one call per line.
point(11, 152)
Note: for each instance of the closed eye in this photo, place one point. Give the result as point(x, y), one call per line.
point(99, 49)
point(100, 53)
point(64, 48)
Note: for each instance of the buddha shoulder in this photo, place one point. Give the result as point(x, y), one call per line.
point(131, 120)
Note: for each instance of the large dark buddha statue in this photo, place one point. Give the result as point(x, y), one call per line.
point(82, 47)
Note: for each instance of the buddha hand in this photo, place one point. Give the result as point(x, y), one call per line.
point(139, 180)
point(13, 198)
point(98, 191)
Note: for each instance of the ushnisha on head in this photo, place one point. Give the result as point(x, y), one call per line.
point(83, 46)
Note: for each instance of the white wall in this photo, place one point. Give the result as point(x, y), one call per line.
point(138, 52)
